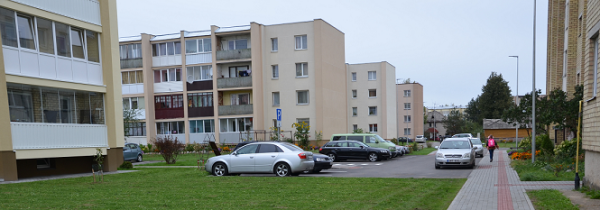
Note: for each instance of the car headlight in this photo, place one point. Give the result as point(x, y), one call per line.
point(383, 151)
point(321, 159)
point(467, 155)
point(439, 155)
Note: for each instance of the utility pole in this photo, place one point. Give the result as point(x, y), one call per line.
point(533, 97)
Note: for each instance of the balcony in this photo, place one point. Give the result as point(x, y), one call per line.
point(234, 82)
point(131, 63)
point(236, 109)
point(54, 135)
point(234, 54)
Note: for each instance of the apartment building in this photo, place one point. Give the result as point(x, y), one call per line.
point(573, 31)
point(372, 98)
point(57, 74)
point(410, 109)
point(214, 84)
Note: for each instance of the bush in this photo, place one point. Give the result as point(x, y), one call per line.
point(169, 148)
point(546, 145)
point(189, 148)
point(150, 148)
point(526, 143)
point(126, 165)
point(567, 149)
point(429, 145)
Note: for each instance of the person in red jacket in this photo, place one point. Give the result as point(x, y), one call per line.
point(491, 145)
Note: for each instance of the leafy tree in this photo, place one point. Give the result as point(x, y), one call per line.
point(130, 116)
point(472, 127)
point(495, 97)
point(473, 113)
point(522, 113)
point(454, 122)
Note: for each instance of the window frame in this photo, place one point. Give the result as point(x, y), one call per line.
point(200, 100)
point(374, 75)
point(275, 71)
point(595, 73)
point(354, 94)
point(168, 72)
point(298, 97)
point(373, 91)
point(354, 111)
point(157, 48)
point(407, 93)
point(407, 131)
point(303, 42)
point(278, 98)
point(201, 69)
point(199, 44)
point(194, 128)
point(407, 106)
point(353, 79)
point(407, 118)
point(274, 44)
point(372, 112)
point(303, 70)
point(373, 128)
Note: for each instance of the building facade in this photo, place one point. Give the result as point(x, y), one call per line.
point(410, 110)
point(57, 74)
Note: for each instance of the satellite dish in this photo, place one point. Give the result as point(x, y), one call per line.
point(189, 79)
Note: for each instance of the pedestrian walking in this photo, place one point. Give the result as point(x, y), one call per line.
point(491, 146)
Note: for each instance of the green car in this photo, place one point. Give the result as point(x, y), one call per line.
point(373, 140)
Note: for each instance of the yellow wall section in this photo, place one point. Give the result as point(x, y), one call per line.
point(227, 96)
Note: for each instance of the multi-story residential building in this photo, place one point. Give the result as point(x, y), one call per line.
point(215, 84)
point(446, 109)
point(57, 74)
point(410, 109)
point(372, 98)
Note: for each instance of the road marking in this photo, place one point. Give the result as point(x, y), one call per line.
point(337, 164)
point(378, 164)
point(350, 164)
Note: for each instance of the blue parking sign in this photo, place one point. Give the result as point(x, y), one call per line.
point(278, 114)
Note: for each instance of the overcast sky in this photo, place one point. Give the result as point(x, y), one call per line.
point(450, 47)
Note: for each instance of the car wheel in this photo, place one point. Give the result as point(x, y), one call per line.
point(140, 158)
point(437, 166)
point(282, 169)
point(333, 157)
point(219, 169)
point(372, 157)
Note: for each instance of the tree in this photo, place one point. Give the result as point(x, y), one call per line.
point(130, 116)
point(473, 113)
point(495, 97)
point(521, 114)
point(454, 122)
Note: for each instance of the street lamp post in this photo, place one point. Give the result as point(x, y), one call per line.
point(517, 98)
point(533, 92)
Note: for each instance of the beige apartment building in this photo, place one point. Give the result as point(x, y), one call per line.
point(410, 110)
point(573, 40)
point(372, 98)
point(57, 74)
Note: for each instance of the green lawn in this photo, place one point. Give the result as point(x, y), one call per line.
point(193, 189)
point(182, 160)
point(424, 151)
point(550, 199)
point(529, 172)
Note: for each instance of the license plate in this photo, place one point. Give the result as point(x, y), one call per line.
point(451, 161)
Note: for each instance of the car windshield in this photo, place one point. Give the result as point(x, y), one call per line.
point(379, 138)
point(455, 145)
point(292, 147)
point(419, 136)
point(476, 141)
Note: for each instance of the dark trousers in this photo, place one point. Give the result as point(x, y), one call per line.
point(491, 154)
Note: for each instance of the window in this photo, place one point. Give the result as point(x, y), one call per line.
point(167, 75)
point(372, 93)
point(407, 131)
point(198, 46)
point(77, 43)
point(275, 71)
point(167, 48)
point(353, 76)
point(45, 36)
point(92, 46)
point(196, 100)
point(63, 43)
point(268, 148)
point(168, 102)
point(25, 24)
point(250, 149)
point(407, 118)
point(236, 125)
point(406, 93)
point(595, 85)
point(237, 44)
point(235, 71)
point(373, 128)
point(372, 75)
point(354, 111)
point(130, 51)
point(136, 129)
point(132, 77)
point(372, 110)
point(303, 120)
point(354, 127)
point(199, 73)
point(302, 97)
point(274, 45)
point(240, 99)
point(354, 93)
point(20, 106)
point(177, 127)
point(133, 103)
point(202, 126)
point(275, 98)
point(8, 27)
point(301, 69)
point(45, 163)
point(407, 106)
point(301, 42)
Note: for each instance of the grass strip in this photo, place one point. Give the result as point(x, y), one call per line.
point(193, 189)
point(550, 199)
point(530, 172)
point(424, 151)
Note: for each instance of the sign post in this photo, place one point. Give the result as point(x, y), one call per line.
point(278, 124)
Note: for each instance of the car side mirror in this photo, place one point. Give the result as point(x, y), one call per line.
point(362, 147)
point(437, 147)
point(234, 153)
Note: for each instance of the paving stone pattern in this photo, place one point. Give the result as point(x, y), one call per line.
point(495, 185)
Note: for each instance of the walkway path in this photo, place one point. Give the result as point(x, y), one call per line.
point(495, 185)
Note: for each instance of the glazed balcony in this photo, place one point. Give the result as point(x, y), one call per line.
point(237, 54)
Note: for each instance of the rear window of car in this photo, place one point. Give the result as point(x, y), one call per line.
point(292, 147)
point(476, 141)
point(356, 138)
point(265, 148)
point(419, 136)
point(337, 138)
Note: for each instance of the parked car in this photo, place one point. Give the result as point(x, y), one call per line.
point(373, 140)
point(455, 152)
point(405, 140)
point(280, 158)
point(478, 146)
point(133, 152)
point(437, 138)
point(462, 135)
point(321, 162)
point(399, 151)
point(350, 149)
point(420, 138)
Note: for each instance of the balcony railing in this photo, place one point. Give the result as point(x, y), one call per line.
point(131, 63)
point(54, 135)
point(236, 109)
point(234, 54)
point(234, 82)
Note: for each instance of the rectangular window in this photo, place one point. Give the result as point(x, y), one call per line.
point(63, 43)
point(136, 129)
point(302, 97)
point(77, 43)
point(407, 118)
point(45, 36)
point(197, 45)
point(241, 71)
point(200, 100)
point(167, 75)
point(406, 93)
point(407, 106)
point(275, 98)
point(303, 120)
point(372, 93)
point(301, 69)
point(93, 51)
point(372, 110)
point(354, 93)
point(177, 127)
point(274, 44)
point(25, 24)
point(373, 128)
point(8, 27)
point(353, 76)
point(372, 75)
point(275, 71)
point(407, 131)
point(238, 44)
point(301, 42)
point(199, 73)
point(236, 124)
point(595, 85)
point(168, 102)
point(354, 111)
point(167, 48)
point(354, 127)
point(202, 126)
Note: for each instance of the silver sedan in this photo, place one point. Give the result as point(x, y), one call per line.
point(478, 146)
point(280, 158)
point(455, 152)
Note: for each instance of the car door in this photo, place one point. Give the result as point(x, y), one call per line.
point(266, 157)
point(356, 151)
point(341, 149)
point(127, 151)
point(243, 160)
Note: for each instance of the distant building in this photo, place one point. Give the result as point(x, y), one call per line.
point(502, 130)
point(410, 109)
point(434, 124)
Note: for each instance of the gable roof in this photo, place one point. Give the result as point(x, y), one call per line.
point(499, 124)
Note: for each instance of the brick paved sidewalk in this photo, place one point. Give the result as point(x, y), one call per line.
point(496, 185)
